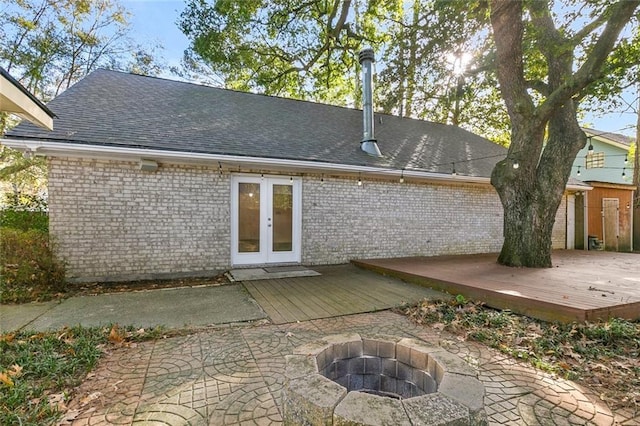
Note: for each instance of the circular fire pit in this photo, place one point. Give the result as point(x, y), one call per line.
point(355, 380)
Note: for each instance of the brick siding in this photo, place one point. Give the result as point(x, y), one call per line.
point(112, 221)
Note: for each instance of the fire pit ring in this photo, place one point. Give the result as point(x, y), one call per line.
point(365, 380)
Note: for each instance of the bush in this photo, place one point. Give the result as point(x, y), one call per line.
point(29, 270)
point(24, 212)
point(24, 220)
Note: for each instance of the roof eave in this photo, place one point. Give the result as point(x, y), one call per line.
point(63, 149)
point(14, 98)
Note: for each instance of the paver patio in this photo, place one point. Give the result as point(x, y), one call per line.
point(234, 375)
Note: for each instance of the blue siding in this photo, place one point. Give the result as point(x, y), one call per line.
point(613, 164)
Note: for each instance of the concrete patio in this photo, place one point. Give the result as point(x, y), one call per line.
point(229, 368)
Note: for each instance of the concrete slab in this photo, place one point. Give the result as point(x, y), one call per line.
point(172, 308)
point(15, 317)
point(255, 274)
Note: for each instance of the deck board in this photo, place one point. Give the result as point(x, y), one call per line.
point(339, 290)
point(582, 285)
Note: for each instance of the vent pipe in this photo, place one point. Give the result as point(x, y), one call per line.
point(368, 143)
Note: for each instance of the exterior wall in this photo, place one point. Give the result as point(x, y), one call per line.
point(613, 164)
point(559, 235)
point(342, 221)
point(595, 215)
point(112, 221)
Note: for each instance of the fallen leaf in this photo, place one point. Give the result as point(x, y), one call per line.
point(69, 417)
point(15, 371)
point(7, 337)
point(116, 336)
point(91, 397)
point(6, 379)
point(438, 326)
point(56, 400)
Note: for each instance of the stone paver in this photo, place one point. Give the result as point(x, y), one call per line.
point(236, 375)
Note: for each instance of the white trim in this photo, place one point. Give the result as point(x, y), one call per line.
point(571, 222)
point(266, 255)
point(14, 100)
point(272, 164)
point(602, 138)
point(134, 154)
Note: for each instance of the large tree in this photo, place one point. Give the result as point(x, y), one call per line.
point(429, 54)
point(49, 45)
point(549, 58)
point(545, 133)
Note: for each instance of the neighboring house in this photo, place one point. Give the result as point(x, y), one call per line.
point(16, 99)
point(157, 178)
point(605, 214)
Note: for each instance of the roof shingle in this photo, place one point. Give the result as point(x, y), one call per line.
point(111, 108)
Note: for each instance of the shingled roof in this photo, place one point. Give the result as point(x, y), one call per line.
point(115, 109)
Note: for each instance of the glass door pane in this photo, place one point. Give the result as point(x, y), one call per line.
point(248, 217)
point(282, 218)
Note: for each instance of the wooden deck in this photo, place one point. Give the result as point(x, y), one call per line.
point(339, 290)
point(581, 286)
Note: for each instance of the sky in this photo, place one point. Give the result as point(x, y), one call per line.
point(155, 22)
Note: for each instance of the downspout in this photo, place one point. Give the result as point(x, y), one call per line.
point(368, 143)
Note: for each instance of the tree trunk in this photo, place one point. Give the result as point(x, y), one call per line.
point(526, 239)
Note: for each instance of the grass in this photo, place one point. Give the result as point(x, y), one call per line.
point(39, 371)
point(602, 355)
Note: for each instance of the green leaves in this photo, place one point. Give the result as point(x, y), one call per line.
point(48, 46)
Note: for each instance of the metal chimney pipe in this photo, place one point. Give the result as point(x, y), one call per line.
point(368, 143)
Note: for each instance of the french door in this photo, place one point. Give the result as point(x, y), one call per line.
point(265, 220)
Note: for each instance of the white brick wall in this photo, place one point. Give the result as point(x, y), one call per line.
point(343, 221)
point(112, 221)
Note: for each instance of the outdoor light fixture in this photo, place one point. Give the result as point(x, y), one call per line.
point(590, 149)
point(626, 160)
point(148, 165)
point(291, 179)
point(220, 168)
point(402, 176)
point(578, 171)
point(359, 180)
point(322, 179)
point(624, 174)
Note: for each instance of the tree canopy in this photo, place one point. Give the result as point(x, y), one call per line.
point(516, 71)
point(48, 45)
point(430, 54)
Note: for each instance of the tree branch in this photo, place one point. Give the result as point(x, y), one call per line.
point(590, 71)
point(508, 29)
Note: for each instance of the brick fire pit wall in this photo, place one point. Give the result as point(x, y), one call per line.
point(350, 379)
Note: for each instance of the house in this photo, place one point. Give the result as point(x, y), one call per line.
point(157, 178)
point(16, 99)
point(605, 214)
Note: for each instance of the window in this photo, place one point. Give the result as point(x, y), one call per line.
point(594, 161)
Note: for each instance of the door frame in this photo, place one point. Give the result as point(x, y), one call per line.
point(266, 255)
